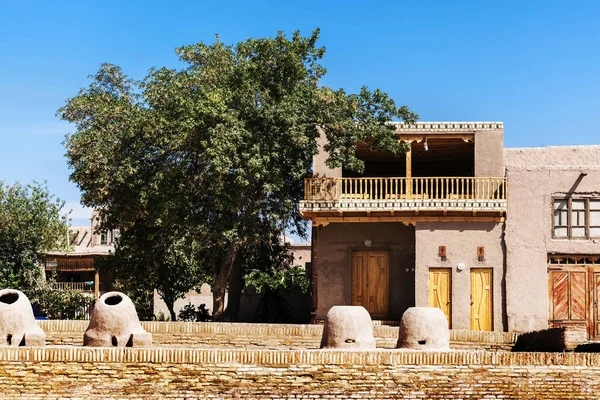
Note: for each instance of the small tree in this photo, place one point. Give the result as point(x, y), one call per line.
point(146, 259)
point(30, 223)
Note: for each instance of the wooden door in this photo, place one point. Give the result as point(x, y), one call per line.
point(567, 297)
point(370, 282)
point(481, 299)
point(596, 308)
point(440, 291)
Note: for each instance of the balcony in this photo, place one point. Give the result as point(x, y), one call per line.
point(404, 199)
point(75, 286)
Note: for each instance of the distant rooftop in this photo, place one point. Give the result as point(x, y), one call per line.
point(448, 126)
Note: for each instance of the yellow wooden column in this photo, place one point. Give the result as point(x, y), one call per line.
point(409, 186)
point(97, 285)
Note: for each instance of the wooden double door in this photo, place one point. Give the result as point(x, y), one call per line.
point(574, 297)
point(440, 296)
point(370, 282)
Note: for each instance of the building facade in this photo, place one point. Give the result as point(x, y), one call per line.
point(75, 269)
point(499, 239)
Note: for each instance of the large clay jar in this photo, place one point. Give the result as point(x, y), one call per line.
point(17, 322)
point(424, 328)
point(114, 322)
point(348, 327)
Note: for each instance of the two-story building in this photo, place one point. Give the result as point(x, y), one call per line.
point(75, 269)
point(499, 239)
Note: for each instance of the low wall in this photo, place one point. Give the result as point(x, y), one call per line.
point(158, 373)
point(271, 336)
point(565, 338)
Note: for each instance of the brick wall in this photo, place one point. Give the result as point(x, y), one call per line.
point(270, 336)
point(154, 373)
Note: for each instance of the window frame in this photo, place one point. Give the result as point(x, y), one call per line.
point(569, 226)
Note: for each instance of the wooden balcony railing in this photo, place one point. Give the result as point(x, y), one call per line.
point(469, 188)
point(77, 286)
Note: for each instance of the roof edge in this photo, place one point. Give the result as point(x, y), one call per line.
point(441, 126)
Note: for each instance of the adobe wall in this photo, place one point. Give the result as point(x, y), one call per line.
point(461, 240)
point(319, 167)
point(265, 336)
point(552, 155)
point(100, 373)
point(535, 176)
point(489, 153)
point(301, 254)
point(336, 242)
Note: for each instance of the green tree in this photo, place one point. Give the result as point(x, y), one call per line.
point(30, 223)
point(147, 258)
point(213, 150)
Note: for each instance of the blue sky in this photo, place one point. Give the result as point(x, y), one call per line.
point(532, 64)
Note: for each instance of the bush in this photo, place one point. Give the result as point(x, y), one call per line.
point(189, 313)
point(57, 304)
point(273, 306)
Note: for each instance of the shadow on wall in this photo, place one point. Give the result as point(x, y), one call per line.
point(283, 306)
point(461, 227)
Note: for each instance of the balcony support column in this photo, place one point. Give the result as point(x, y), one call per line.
point(314, 295)
point(409, 185)
point(96, 284)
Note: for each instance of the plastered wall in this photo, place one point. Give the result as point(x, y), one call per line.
point(337, 241)
point(489, 154)
point(461, 240)
point(535, 177)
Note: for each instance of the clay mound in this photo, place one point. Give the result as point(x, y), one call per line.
point(114, 322)
point(348, 327)
point(424, 328)
point(17, 322)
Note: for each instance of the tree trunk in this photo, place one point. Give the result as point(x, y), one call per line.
point(170, 303)
point(220, 282)
point(235, 289)
point(171, 307)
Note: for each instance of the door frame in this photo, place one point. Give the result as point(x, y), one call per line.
point(592, 297)
point(471, 271)
point(365, 288)
point(445, 269)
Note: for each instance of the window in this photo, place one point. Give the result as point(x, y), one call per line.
point(109, 237)
point(576, 218)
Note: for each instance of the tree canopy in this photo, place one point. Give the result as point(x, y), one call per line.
point(30, 223)
point(218, 149)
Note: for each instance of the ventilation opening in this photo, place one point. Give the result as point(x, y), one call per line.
point(130, 341)
point(350, 341)
point(422, 342)
point(9, 339)
point(113, 300)
point(114, 341)
point(9, 298)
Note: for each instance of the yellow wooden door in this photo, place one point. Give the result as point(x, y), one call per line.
point(370, 282)
point(440, 291)
point(481, 299)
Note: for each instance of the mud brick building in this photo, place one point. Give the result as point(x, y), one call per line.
point(499, 239)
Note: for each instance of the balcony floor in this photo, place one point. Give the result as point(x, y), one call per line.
point(408, 211)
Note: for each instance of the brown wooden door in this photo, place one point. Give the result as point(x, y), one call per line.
point(567, 297)
point(370, 282)
point(440, 291)
point(481, 299)
point(596, 307)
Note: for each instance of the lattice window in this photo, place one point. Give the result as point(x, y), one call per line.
point(576, 218)
point(570, 259)
point(561, 218)
point(594, 218)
